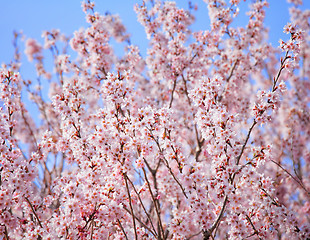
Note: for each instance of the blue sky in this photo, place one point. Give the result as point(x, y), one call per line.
point(34, 16)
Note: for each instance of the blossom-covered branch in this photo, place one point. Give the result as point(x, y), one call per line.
point(206, 136)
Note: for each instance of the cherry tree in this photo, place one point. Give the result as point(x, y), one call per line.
point(207, 137)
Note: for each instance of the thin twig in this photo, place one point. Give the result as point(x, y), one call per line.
point(194, 235)
point(175, 178)
point(245, 142)
point(144, 209)
point(156, 207)
point(141, 222)
point(167, 164)
point(172, 93)
point(279, 72)
point(207, 234)
point(123, 230)
point(34, 212)
point(186, 91)
point(227, 79)
point(199, 143)
point(131, 208)
point(255, 231)
point(296, 180)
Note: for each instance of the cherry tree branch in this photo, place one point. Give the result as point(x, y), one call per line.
point(144, 209)
point(34, 212)
point(207, 234)
point(131, 208)
point(172, 92)
point(142, 223)
point(167, 164)
point(227, 79)
point(199, 142)
point(123, 230)
point(295, 179)
point(252, 225)
point(245, 142)
point(157, 210)
point(275, 80)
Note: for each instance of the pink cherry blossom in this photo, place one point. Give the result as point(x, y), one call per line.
point(205, 137)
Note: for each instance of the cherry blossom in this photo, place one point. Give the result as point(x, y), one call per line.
point(206, 137)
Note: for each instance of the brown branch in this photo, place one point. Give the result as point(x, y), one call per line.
point(295, 179)
point(149, 167)
point(194, 235)
point(245, 142)
point(131, 208)
point(6, 234)
point(208, 233)
point(271, 197)
point(123, 230)
point(141, 222)
point(172, 93)
point(275, 80)
point(232, 70)
point(157, 210)
point(175, 81)
point(199, 142)
point(175, 178)
point(92, 229)
point(167, 164)
point(34, 212)
point(144, 209)
point(227, 79)
point(186, 91)
point(255, 231)
point(91, 217)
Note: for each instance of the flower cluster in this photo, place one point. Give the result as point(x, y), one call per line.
point(268, 102)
